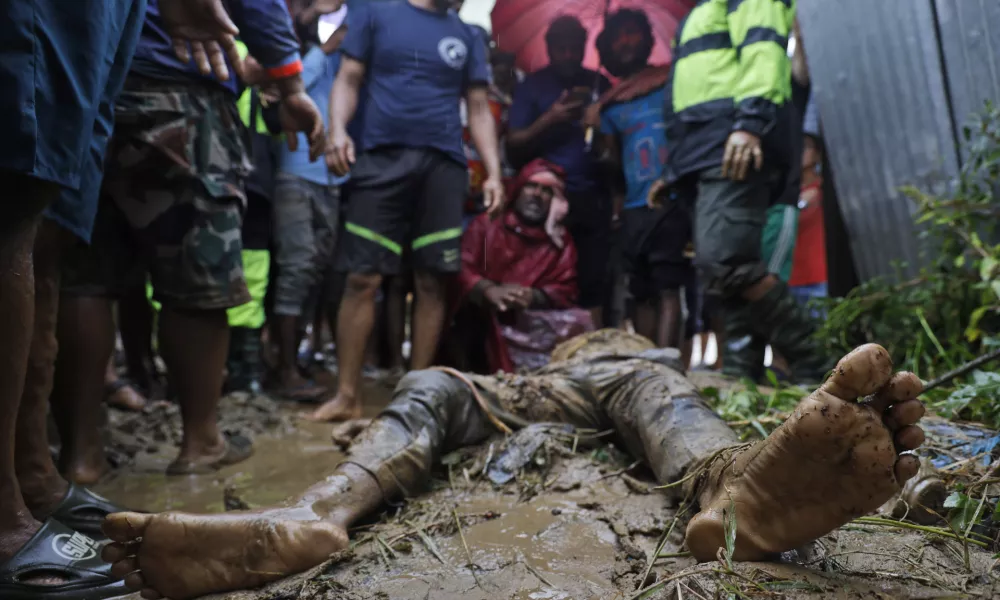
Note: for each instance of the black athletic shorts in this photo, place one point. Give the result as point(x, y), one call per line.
point(403, 199)
point(653, 247)
point(589, 222)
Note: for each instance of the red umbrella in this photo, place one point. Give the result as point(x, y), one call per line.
point(519, 25)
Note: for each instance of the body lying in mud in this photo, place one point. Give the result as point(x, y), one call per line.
point(836, 458)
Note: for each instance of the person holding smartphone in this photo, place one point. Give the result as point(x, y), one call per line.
point(546, 122)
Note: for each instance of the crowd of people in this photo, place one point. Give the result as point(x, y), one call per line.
point(286, 186)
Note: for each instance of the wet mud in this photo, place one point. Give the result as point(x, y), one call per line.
point(577, 523)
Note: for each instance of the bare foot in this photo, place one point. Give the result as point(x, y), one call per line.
point(181, 556)
point(836, 458)
point(121, 394)
point(85, 469)
point(345, 433)
point(341, 408)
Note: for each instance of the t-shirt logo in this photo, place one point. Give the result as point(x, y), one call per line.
point(453, 52)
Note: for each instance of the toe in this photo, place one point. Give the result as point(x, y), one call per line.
point(125, 526)
point(122, 568)
point(113, 553)
point(150, 594)
point(903, 387)
point(861, 373)
point(906, 467)
point(135, 581)
point(909, 437)
point(905, 413)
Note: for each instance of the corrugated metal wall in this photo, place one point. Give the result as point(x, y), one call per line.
point(889, 119)
point(970, 45)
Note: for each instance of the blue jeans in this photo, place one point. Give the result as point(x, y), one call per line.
point(804, 293)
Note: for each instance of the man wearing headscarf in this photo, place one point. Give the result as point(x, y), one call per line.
point(518, 265)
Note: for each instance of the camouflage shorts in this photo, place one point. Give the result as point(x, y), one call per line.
point(172, 200)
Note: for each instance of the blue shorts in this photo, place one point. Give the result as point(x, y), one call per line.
point(62, 63)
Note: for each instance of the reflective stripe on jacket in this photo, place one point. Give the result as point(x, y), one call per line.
point(731, 71)
point(245, 102)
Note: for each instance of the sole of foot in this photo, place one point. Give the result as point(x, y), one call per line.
point(836, 458)
point(181, 556)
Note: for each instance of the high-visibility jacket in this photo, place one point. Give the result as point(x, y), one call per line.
point(245, 103)
point(731, 71)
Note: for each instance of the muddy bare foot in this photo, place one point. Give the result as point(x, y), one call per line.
point(341, 408)
point(836, 458)
point(85, 468)
point(181, 556)
point(345, 433)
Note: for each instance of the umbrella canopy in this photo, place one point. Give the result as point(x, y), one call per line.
point(519, 26)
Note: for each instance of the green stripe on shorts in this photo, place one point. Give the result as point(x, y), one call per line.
point(437, 236)
point(371, 236)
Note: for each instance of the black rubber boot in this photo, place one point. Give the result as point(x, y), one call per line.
point(742, 350)
point(779, 318)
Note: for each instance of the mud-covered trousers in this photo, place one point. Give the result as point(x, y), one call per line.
point(657, 414)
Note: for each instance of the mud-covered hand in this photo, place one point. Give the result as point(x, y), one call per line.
point(657, 194)
point(493, 196)
point(202, 31)
point(340, 153)
point(298, 113)
point(742, 149)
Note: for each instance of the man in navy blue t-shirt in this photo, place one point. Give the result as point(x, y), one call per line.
point(417, 60)
point(546, 122)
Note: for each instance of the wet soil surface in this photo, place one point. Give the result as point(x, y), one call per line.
point(578, 523)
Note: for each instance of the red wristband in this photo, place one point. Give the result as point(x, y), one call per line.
point(289, 70)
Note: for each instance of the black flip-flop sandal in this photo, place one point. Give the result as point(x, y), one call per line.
point(82, 510)
point(238, 449)
point(56, 550)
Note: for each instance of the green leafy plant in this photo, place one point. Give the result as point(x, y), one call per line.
point(944, 316)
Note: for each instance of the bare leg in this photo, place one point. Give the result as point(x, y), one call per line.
point(135, 323)
point(291, 384)
point(354, 326)
point(645, 320)
point(395, 320)
point(429, 311)
point(41, 485)
point(194, 346)
point(86, 341)
point(670, 321)
point(21, 214)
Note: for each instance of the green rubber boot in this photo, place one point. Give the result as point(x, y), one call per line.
point(742, 350)
point(778, 317)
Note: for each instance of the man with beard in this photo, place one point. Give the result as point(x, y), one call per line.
point(728, 146)
point(516, 270)
point(546, 122)
point(631, 123)
point(417, 60)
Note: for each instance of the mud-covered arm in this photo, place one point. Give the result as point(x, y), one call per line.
point(759, 31)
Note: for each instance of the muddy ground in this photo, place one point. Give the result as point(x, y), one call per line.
point(577, 524)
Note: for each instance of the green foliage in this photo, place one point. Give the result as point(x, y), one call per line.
point(943, 317)
point(753, 408)
point(978, 400)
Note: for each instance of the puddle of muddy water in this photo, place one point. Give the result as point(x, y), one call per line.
point(282, 466)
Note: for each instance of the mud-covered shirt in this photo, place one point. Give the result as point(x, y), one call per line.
point(419, 64)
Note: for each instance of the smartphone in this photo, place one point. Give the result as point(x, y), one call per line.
point(581, 95)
